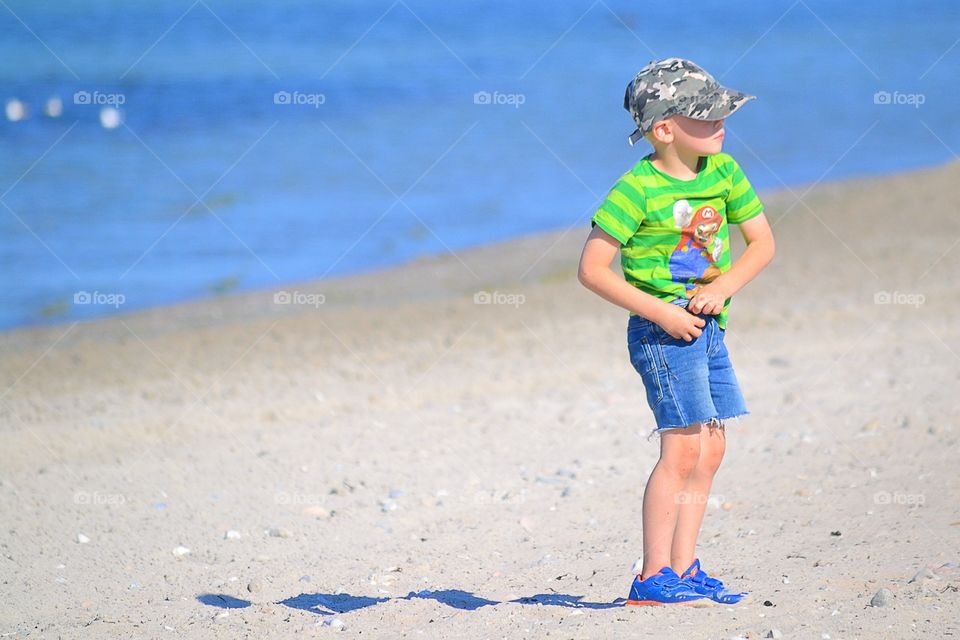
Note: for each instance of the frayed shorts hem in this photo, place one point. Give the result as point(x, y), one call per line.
point(715, 421)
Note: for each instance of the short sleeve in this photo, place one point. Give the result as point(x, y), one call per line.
point(622, 211)
point(742, 201)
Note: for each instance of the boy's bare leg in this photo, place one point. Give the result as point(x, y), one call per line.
point(693, 498)
point(679, 455)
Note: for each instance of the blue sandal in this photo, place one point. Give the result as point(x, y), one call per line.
point(664, 587)
point(698, 580)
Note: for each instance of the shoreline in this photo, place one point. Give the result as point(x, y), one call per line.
point(409, 277)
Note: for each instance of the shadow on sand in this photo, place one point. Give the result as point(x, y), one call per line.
point(333, 603)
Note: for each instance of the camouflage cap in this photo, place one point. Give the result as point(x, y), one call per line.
point(675, 86)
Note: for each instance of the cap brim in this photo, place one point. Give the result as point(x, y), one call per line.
point(716, 105)
point(719, 104)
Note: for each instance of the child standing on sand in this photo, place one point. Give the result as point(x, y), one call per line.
point(668, 217)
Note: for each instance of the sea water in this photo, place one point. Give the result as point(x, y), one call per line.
point(206, 146)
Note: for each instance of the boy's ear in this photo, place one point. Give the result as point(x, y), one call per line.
point(658, 125)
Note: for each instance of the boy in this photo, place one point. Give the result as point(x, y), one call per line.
point(668, 218)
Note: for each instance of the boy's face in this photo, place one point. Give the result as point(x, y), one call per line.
point(700, 137)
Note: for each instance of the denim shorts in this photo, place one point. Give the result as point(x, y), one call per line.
point(686, 382)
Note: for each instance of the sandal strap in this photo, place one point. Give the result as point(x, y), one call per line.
point(701, 577)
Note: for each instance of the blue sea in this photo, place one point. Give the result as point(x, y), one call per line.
point(208, 146)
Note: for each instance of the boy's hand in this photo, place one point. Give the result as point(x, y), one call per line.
point(709, 299)
point(681, 324)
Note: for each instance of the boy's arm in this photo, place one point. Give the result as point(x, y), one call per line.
point(595, 274)
point(758, 254)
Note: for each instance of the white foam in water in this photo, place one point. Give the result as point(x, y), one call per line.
point(53, 108)
point(110, 118)
point(15, 110)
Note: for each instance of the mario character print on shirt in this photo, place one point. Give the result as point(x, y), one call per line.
point(693, 260)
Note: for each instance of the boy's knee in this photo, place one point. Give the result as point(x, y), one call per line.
point(711, 450)
point(683, 459)
point(710, 459)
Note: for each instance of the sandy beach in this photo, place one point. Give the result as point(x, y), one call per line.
point(398, 454)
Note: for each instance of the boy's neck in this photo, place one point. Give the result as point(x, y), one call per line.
point(671, 162)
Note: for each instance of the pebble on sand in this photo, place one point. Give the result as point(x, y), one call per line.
point(82, 539)
point(279, 532)
point(232, 535)
point(388, 505)
point(316, 511)
point(336, 623)
point(180, 551)
point(255, 586)
point(923, 574)
point(881, 598)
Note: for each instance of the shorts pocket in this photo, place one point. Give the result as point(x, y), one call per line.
point(641, 352)
point(651, 382)
point(646, 358)
point(665, 338)
point(718, 345)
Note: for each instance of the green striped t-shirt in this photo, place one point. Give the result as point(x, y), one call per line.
point(673, 233)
